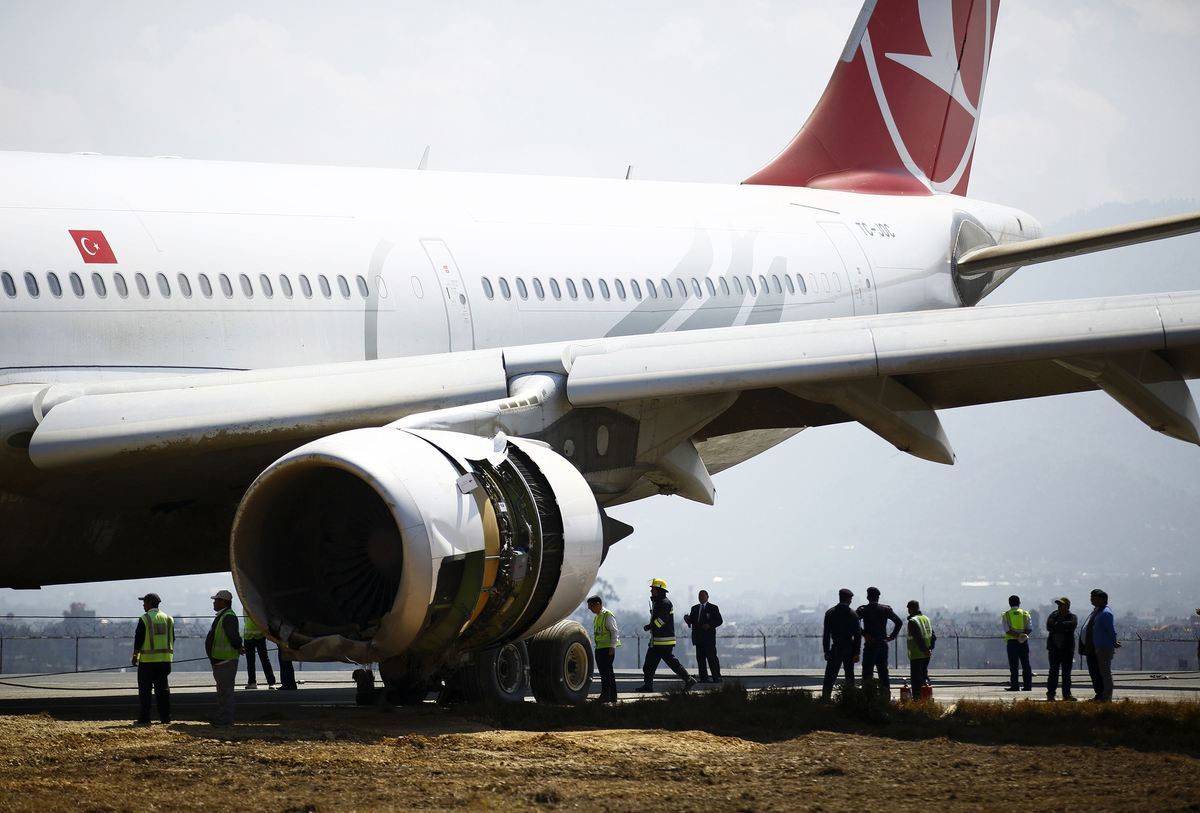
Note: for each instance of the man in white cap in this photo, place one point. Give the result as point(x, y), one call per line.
point(224, 646)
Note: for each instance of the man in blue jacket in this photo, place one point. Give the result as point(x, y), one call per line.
point(1098, 642)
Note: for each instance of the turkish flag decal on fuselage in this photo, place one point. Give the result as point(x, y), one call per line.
point(93, 247)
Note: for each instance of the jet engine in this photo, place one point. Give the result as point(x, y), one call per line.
point(410, 547)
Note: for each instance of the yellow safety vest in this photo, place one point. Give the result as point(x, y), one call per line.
point(250, 630)
point(600, 630)
point(222, 649)
point(158, 645)
point(1018, 620)
point(926, 627)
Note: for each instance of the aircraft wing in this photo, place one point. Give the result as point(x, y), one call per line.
point(889, 372)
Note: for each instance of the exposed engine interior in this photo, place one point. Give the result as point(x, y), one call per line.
point(385, 544)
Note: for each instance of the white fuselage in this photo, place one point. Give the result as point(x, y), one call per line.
point(384, 263)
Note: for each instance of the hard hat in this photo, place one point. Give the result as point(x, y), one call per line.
point(660, 584)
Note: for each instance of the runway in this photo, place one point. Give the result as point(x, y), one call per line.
point(109, 695)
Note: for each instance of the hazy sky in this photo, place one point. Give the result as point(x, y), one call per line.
point(1087, 103)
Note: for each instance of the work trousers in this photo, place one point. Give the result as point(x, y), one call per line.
point(838, 658)
point(1099, 663)
point(287, 672)
point(918, 674)
point(666, 654)
point(875, 657)
point(259, 646)
point(706, 659)
point(225, 674)
point(152, 678)
point(608, 680)
point(1061, 660)
point(1018, 654)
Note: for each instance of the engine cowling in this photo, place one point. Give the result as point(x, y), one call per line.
point(412, 546)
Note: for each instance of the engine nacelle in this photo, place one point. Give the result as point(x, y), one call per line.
point(380, 544)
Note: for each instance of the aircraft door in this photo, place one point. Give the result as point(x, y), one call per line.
point(858, 269)
point(454, 294)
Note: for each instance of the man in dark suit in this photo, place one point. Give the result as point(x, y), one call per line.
point(704, 620)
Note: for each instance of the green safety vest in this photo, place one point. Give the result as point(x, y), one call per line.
point(158, 646)
point(926, 626)
point(222, 649)
point(1018, 620)
point(250, 630)
point(600, 630)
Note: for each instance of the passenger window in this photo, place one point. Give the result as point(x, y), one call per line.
point(31, 285)
point(724, 287)
point(119, 283)
point(247, 286)
point(666, 289)
point(164, 287)
point(762, 285)
point(264, 283)
point(681, 287)
point(53, 284)
point(418, 289)
point(603, 285)
point(812, 283)
point(226, 286)
point(651, 289)
point(587, 288)
point(637, 289)
point(327, 292)
point(620, 289)
point(837, 281)
point(98, 284)
point(696, 288)
point(305, 286)
point(737, 286)
point(142, 286)
point(10, 287)
point(800, 284)
point(555, 291)
point(76, 285)
point(185, 287)
point(538, 289)
point(750, 286)
point(572, 291)
point(285, 285)
point(380, 287)
point(522, 290)
point(344, 287)
point(791, 288)
point(712, 289)
point(825, 282)
point(363, 289)
point(205, 286)
point(775, 282)
point(488, 290)
point(505, 291)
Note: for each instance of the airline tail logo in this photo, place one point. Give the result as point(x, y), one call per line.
point(901, 112)
point(93, 247)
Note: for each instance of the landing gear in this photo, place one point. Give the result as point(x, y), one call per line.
point(560, 661)
point(496, 675)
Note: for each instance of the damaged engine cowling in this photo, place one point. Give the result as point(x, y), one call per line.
point(412, 546)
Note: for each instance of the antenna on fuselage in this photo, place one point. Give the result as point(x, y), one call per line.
point(424, 164)
point(628, 171)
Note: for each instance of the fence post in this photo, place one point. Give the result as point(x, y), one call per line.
point(1141, 653)
point(76, 653)
point(895, 653)
point(639, 651)
point(764, 637)
point(957, 653)
point(1, 654)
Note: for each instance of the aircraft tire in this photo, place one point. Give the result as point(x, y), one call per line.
point(560, 664)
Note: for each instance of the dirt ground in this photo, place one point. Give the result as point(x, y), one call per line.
point(331, 760)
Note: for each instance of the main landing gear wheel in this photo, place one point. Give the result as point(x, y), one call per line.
point(496, 675)
point(560, 664)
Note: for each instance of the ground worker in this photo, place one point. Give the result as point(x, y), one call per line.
point(1017, 625)
point(223, 645)
point(662, 639)
point(256, 642)
point(1060, 647)
point(607, 637)
point(153, 652)
point(840, 638)
point(1098, 642)
point(920, 647)
point(875, 618)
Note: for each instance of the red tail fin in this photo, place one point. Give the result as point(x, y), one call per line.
point(901, 113)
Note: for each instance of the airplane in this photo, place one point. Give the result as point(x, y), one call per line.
point(398, 404)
